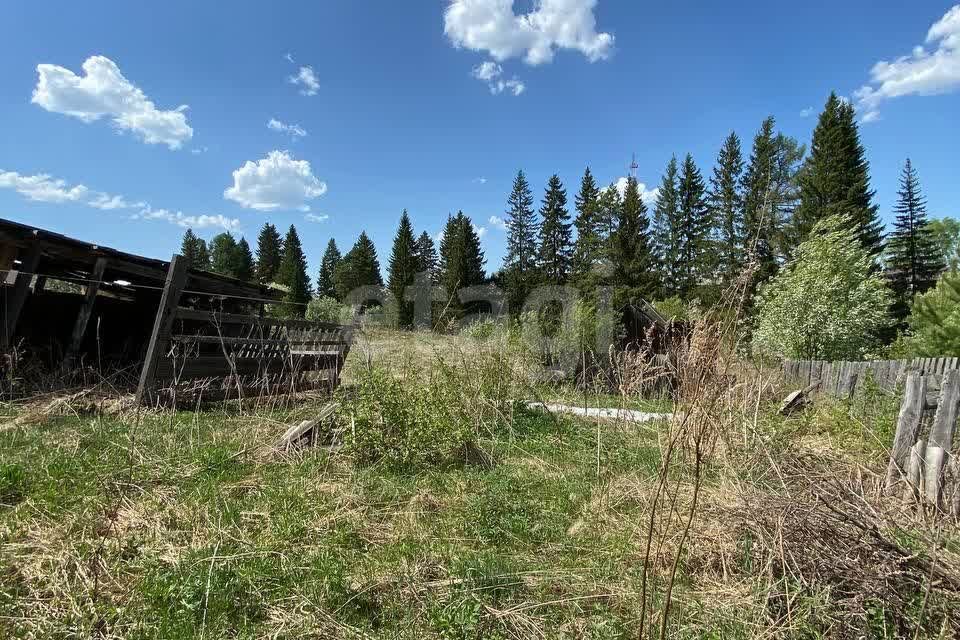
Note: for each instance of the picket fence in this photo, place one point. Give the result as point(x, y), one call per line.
point(844, 378)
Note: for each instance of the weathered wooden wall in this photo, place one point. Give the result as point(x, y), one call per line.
point(843, 379)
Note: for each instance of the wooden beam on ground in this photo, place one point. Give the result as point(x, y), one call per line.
point(799, 398)
point(18, 291)
point(908, 428)
point(302, 430)
point(160, 338)
point(86, 309)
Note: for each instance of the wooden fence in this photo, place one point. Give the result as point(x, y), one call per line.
point(209, 355)
point(844, 378)
point(922, 466)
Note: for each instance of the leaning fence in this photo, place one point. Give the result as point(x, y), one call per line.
point(844, 378)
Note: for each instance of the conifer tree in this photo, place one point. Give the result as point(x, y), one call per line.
point(269, 253)
point(202, 260)
point(404, 265)
point(519, 264)
point(328, 267)
point(461, 258)
point(555, 245)
point(914, 258)
point(223, 254)
point(836, 178)
point(359, 267)
point(188, 248)
point(630, 252)
point(666, 221)
point(692, 230)
point(588, 248)
point(243, 261)
point(427, 255)
point(293, 275)
point(726, 209)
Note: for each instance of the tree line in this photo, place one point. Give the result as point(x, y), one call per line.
point(690, 242)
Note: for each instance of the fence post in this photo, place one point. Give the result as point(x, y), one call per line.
point(169, 299)
point(83, 316)
point(908, 427)
point(20, 289)
point(941, 435)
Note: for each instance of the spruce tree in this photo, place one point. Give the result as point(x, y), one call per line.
point(188, 248)
point(328, 266)
point(202, 260)
point(726, 209)
point(666, 221)
point(519, 264)
point(269, 253)
point(836, 178)
point(293, 275)
point(404, 265)
point(359, 267)
point(223, 254)
point(555, 245)
point(243, 261)
point(588, 248)
point(914, 259)
point(692, 230)
point(461, 257)
point(630, 251)
point(427, 255)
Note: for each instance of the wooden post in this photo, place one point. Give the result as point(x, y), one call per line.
point(908, 428)
point(914, 486)
point(941, 436)
point(18, 291)
point(172, 288)
point(83, 316)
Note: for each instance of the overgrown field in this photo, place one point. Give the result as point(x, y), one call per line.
point(438, 506)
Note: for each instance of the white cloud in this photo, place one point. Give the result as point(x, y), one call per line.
point(649, 196)
point(103, 92)
point(289, 57)
point(481, 231)
point(498, 222)
point(486, 71)
point(923, 73)
point(44, 188)
point(306, 79)
point(193, 221)
point(198, 150)
point(294, 130)
point(806, 113)
point(513, 86)
point(480, 180)
point(491, 26)
point(312, 217)
point(275, 182)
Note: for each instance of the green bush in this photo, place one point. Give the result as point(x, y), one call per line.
point(327, 309)
point(404, 422)
point(935, 320)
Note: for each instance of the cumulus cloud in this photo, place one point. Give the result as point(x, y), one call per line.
point(513, 86)
point(649, 196)
point(491, 72)
point(923, 72)
point(806, 113)
point(44, 188)
point(498, 222)
point(486, 71)
point(294, 130)
point(480, 180)
point(312, 217)
point(103, 92)
point(481, 231)
point(491, 26)
point(275, 182)
point(192, 221)
point(307, 80)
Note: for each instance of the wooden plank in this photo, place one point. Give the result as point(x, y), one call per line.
point(86, 309)
point(159, 338)
point(267, 342)
point(220, 366)
point(941, 435)
point(216, 317)
point(16, 295)
point(908, 428)
point(299, 431)
point(913, 488)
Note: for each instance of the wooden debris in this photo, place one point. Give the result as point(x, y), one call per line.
point(798, 399)
point(908, 428)
point(303, 430)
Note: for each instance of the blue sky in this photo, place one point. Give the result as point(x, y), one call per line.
point(395, 116)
